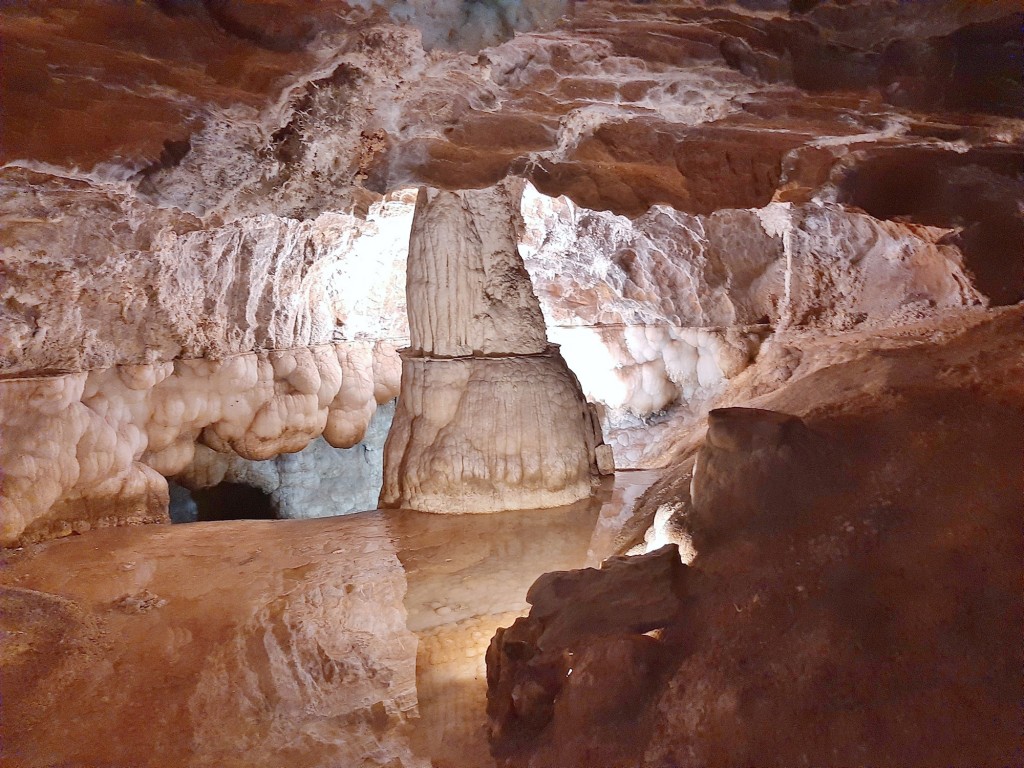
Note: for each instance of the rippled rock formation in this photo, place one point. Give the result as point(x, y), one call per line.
point(93, 448)
point(321, 480)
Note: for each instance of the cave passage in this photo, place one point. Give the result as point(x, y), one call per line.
point(226, 501)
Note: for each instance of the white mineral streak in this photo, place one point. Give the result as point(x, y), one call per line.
point(490, 418)
point(91, 448)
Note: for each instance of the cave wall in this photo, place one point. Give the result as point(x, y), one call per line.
point(706, 175)
point(811, 207)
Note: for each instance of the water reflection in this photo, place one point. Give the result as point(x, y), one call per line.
point(267, 643)
point(468, 575)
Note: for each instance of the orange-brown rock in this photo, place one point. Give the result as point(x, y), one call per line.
point(854, 595)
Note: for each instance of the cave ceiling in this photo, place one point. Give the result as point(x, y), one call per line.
point(294, 107)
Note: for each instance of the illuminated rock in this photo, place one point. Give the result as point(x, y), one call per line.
point(318, 481)
point(489, 416)
point(165, 285)
point(487, 434)
point(81, 449)
point(467, 291)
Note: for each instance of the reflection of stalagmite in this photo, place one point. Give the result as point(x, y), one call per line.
point(489, 416)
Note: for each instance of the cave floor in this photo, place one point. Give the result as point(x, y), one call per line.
point(355, 640)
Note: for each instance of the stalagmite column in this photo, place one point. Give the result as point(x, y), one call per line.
point(489, 417)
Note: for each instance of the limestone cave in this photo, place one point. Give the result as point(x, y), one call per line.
point(532, 383)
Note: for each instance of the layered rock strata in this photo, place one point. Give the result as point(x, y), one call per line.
point(489, 416)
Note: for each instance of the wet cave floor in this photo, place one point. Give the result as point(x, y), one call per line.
point(346, 641)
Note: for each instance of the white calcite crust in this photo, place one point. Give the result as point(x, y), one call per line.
point(90, 448)
point(655, 315)
point(466, 288)
point(489, 434)
point(816, 264)
point(318, 481)
point(112, 281)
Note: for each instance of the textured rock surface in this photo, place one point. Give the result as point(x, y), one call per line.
point(489, 417)
point(782, 264)
point(298, 632)
point(112, 281)
point(88, 449)
point(164, 201)
point(656, 315)
point(467, 292)
point(795, 206)
point(581, 625)
point(486, 434)
point(853, 595)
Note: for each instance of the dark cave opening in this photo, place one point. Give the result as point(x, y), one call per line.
point(225, 501)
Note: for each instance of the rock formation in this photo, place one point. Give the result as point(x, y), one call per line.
point(489, 417)
point(779, 245)
point(111, 436)
point(551, 667)
point(656, 315)
point(128, 347)
point(852, 571)
point(318, 481)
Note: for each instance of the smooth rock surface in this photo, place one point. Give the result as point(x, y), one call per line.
point(356, 640)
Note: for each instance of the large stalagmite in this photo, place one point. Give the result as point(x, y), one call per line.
point(489, 417)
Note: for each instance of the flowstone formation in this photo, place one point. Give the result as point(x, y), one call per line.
point(130, 347)
point(93, 448)
point(489, 417)
point(779, 244)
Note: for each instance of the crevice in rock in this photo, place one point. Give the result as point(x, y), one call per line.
point(232, 501)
